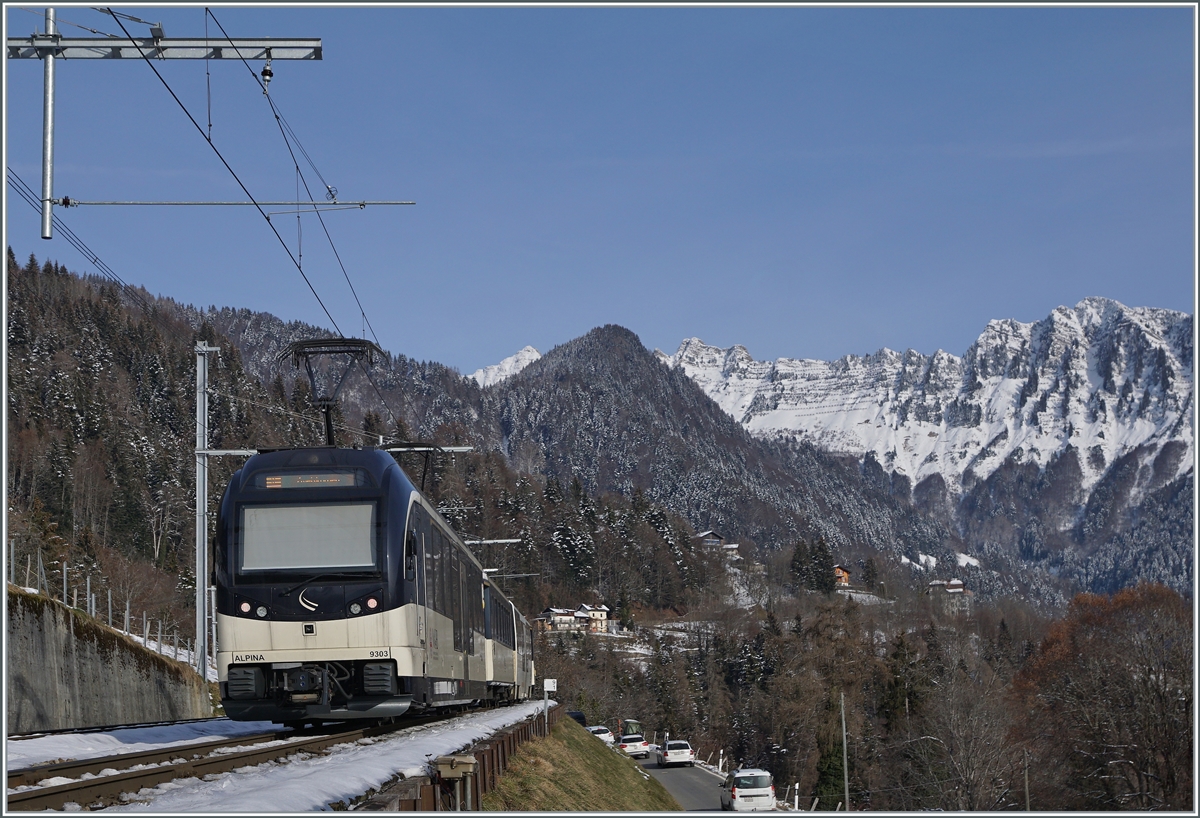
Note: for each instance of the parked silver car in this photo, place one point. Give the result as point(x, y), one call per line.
point(603, 733)
point(635, 746)
point(750, 790)
point(675, 752)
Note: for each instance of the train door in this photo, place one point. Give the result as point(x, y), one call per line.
point(465, 584)
point(420, 530)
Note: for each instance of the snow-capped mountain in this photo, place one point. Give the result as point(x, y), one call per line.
point(1099, 379)
point(507, 368)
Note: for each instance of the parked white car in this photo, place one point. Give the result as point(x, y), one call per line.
point(603, 733)
point(675, 752)
point(749, 790)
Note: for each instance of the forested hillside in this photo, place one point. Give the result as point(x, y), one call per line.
point(101, 421)
point(993, 711)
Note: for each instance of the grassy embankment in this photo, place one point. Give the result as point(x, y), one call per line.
point(574, 771)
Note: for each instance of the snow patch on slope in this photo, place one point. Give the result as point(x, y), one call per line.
point(510, 366)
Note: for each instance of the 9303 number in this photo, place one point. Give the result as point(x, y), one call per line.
point(381, 654)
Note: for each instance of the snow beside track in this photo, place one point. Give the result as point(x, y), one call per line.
point(70, 746)
point(302, 783)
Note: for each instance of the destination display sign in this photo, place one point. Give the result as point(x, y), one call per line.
point(309, 481)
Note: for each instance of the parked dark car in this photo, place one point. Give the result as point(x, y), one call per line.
point(579, 717)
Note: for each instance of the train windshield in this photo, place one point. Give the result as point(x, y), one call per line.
point(298, 537)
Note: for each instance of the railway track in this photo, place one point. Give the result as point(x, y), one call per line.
point(100, 782)
point(108, 728)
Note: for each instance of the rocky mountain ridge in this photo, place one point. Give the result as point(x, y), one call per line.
point(1102, 378)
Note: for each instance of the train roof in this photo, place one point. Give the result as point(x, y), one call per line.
point(375, 461)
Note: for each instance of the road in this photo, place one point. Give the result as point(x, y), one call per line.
point(694, 788)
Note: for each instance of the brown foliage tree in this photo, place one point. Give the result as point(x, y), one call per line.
point(1108, 703)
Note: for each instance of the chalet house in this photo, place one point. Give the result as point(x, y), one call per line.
point(597, 617)
point(951, 596)
point(841, 576)
point(592, 618)
point(715, 541)
point(555, 619)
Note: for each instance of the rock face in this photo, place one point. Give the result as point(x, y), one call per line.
point(65, 670)
point(1101, 378)
point(1088, 409)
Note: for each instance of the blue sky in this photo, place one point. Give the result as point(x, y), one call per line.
point(807, 182)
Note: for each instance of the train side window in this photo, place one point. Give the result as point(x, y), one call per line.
point(410, 555)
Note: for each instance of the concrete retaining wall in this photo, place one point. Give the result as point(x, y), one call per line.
point(67, 670)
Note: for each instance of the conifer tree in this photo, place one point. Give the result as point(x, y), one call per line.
point(373, 426)
point(801, 565)
point(870, 574)
point(821, 577)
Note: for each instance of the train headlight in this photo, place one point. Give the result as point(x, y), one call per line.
point(372, 603)
point(245, 607)
point(262, 611)
point(355, 608)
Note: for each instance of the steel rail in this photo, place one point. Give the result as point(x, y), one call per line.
point(119, 761)
point(106, 728)
point(107, 790)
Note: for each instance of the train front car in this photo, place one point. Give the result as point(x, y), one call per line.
point(317, 596)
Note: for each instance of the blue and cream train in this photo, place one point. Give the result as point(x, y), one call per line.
point(343, 594)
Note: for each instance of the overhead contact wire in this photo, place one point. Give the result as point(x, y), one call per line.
point(285, 128)
point(27, 193)
point(232, 172)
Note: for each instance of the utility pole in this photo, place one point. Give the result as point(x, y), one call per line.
point(48, 127)
point(1027, 781)
point(203, 350)
point(845, 757)
point(201, 655)
point(50, 46)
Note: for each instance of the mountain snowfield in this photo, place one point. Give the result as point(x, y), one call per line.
point(1102, 378)
point(507, 368)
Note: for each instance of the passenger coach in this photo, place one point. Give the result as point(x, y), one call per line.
point(343, 594)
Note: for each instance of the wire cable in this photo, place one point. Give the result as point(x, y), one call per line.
point(60, 21)
point(331, 191)
point(286, 129)
point(274, 409)
point(31, 198)
point(207, 76)
point(126, 16)
point(27, 193)
point(232, 172)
